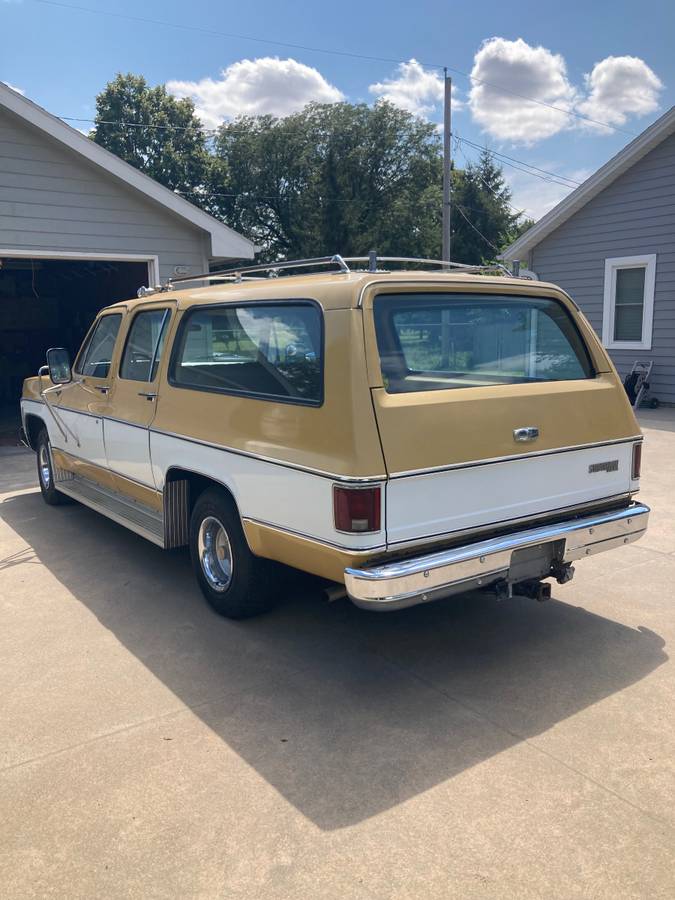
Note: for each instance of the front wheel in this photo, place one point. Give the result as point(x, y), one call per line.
point(236, 583)
point(45, 467)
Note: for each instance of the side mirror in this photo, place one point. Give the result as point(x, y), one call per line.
point(58, 363)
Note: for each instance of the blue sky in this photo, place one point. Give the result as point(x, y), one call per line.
point(608, 61)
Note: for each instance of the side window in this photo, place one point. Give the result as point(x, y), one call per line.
point(268, 350)
point(96, 358)
point(144, 345)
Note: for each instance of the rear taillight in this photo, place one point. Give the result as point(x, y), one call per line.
point(356, 510)
point(637, 461)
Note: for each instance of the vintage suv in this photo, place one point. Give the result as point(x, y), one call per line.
point(407, 434)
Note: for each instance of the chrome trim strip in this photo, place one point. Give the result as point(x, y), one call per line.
point(148, 487)
point(485, 279)
point(505, 523)
point(408, 582)
point(353, 550)
point(351, 479)
point(501, 459)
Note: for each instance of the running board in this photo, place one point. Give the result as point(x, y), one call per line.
point(137, 517)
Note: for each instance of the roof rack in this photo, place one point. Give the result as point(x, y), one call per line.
point(272, 270)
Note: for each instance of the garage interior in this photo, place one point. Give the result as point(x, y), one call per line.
point(51, 303)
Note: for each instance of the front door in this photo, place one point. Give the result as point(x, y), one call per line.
point(132, 402)
point(82, 403)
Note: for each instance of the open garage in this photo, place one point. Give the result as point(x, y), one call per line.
point(79, 229)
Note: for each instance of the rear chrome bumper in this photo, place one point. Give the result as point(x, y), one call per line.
point(404, 583)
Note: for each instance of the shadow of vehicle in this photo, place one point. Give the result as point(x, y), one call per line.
point(345, 713)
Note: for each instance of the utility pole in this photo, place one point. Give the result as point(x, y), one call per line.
point(447, 150)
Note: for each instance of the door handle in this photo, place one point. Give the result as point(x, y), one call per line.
point(149, 395)
point(103, 390)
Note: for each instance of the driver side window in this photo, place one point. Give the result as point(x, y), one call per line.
point(97, 356)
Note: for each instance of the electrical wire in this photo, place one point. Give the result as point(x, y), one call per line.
point(514, 160)
point(518, 212)
point(333, 52)
point(543, 174)
point(468, 221)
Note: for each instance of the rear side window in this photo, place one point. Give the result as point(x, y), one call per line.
point(144, 345)
point(442, 341)
point(96, 356)
point(267, 350)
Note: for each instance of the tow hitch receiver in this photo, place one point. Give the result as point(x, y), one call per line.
point(537, 590)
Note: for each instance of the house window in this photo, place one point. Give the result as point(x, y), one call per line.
point(629, 302)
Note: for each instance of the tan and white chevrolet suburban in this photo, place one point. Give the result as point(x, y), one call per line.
point(408, 434)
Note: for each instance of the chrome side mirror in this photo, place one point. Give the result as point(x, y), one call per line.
point(58, 363)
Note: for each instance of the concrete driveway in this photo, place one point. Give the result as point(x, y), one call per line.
point(464, 749)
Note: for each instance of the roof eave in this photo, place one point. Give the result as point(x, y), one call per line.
point(225, 242)
point(605, 175)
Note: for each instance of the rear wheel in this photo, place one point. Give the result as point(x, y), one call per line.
point(45, 467)
point(236, 583)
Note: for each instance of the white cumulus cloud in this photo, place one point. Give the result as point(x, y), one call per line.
point(505, 73)
point(502, 70)
point(256, 87)
point(619, 86)
point(413, 88)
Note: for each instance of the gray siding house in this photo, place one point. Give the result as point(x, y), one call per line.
point(79, 229)
point(611, 245)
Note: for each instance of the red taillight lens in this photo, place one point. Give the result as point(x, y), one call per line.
point(637, 460)
point(356, 509)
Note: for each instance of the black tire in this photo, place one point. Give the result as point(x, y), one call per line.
point(45, 470)
point(654, 403)
point(248, 589)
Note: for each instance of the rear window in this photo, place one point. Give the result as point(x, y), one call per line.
point(265, 350)
point(433, 342)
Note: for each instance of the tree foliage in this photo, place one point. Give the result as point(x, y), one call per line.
point(154, 132)
point(332, 178)
point(484, 222)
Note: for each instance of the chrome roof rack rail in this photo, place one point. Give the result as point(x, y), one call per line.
point(373, 262)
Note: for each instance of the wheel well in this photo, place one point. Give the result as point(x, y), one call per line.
point(34, 425)
point(197, 484)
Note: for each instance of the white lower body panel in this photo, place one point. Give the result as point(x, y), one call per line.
point(438, 503)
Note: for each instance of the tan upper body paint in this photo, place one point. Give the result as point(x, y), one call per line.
point(345, 436)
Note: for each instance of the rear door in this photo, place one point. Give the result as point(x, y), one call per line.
point(491, 407)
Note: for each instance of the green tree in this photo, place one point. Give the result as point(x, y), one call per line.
point(155, 132)
point(332, 178)
point(483, 220)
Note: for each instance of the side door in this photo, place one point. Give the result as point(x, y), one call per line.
point(83, 402)
point(132, 402)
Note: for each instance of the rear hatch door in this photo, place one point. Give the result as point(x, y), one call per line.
point(491, 407)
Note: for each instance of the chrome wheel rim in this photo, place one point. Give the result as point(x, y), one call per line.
point(45, 467)
point(215, 554)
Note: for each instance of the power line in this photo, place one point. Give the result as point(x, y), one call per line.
point(344, 53)
point(509, 160)
point(519, 212)
point(201, 29)
point(514, 160)
point(471, 225)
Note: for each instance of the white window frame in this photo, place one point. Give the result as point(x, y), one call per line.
point(612, 265)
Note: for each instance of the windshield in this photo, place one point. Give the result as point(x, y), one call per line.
point(442, 341)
